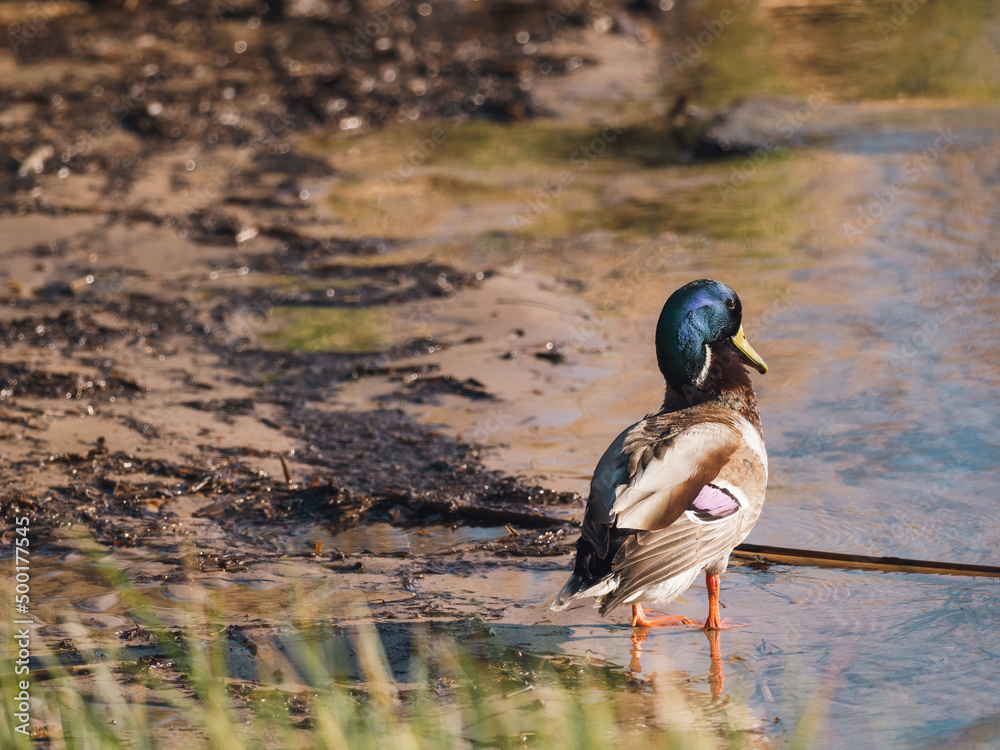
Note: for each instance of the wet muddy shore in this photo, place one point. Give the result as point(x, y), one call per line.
point(101, 334)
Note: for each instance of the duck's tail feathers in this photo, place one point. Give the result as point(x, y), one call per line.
point(577, 586)
point(569, 592)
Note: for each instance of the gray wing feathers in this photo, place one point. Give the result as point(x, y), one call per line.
point(611, 472)
point(653, 557)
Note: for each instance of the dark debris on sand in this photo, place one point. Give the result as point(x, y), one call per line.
point(362, 466)
point(99, 90)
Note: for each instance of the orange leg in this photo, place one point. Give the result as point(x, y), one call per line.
point(714, 623)
point(639, 619)
point(712, 584)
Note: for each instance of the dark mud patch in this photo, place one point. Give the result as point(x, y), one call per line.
point(381, 466)
point(227, 407)
point(340, 285)
point(301, 254)
point(88, 322)
point(23, 380)
point(428, 389)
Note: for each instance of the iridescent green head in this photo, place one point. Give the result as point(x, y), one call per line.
point(698, 315)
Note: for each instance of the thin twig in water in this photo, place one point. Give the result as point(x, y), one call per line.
point(787, 556)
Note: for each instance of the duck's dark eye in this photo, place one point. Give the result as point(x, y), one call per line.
point(730, 303)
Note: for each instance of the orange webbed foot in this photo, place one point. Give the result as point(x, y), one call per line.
point(639, 620)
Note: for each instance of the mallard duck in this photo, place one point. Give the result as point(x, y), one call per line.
point(676, 492)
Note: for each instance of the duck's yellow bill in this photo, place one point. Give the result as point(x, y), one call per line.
point(747, 354)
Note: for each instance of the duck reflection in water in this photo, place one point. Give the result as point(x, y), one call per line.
point(716, 677)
